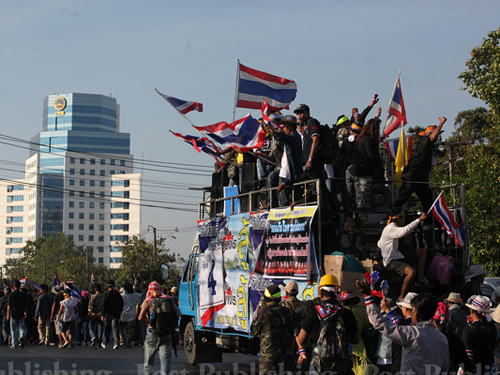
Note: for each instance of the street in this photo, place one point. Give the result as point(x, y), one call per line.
point(42, 360)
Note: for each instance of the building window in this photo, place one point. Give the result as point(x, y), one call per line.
point(71, 193)
point(71, 215)
point(119, 238)
point(124, 183)
point(80, 227)
point(115, 248)
point(82, 194)
point(92, 182)
point(101, 194)
point(100, 249)
point(81, 215)
point(72, 160)
point(103, 161)
point(100, 260)
point(72, 171)
point(91, 226)
point(91, 238)
point(101, 227)
point(101, 216)
point(101, 206)
point(82, 172)
point(119, 216)
point(82, 160)
point(122, 163)
point(71, 226)
point(91, 204)
point(92, 194)
point(91, 216)
point(82, 182)
point(102, 183)
point(80, 237)
point(111, 161)
point(71, 204)
point(115, 260)
point(101, 238)
point(71, 182)
point(123, 227)
point(81, 204)
point(92, 172)
point(120, 194)
point(92, 161)
point(102, 172)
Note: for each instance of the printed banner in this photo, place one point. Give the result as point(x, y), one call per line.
point(288, 248)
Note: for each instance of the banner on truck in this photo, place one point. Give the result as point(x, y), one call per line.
point(287, 250)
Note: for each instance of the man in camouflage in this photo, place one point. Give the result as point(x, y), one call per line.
point(275, 325)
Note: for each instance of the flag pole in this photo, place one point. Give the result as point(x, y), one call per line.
point(236, 90)
point(430, 209)
point(390, 100)
point(182, 114)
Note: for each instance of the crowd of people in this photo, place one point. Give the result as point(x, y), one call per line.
point(420, 334)
point(55, 318)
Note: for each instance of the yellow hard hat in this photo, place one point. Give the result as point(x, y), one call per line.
point(328, 280)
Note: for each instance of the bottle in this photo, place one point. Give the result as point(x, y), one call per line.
point(152, 315)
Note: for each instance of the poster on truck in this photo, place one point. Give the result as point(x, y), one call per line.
point(224, 273)
point(287, 249)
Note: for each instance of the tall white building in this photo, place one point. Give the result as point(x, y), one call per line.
point(78, 179)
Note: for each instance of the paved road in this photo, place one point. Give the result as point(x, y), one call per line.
point(41, 360)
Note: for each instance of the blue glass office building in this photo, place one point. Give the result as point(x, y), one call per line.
point(85, 124)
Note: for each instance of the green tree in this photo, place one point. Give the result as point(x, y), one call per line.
point(138, 259)
point(45, 255)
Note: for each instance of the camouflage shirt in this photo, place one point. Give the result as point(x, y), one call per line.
point(275, 325)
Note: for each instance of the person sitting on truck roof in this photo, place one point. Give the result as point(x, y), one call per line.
point(394, 260)
point(275, 325)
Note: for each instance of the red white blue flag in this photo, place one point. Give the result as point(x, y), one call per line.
point(392, 145)
point(266, 118)
point(202, 144)
point(183, 106)
point(245, 134)
point(254, 86)
point(396, 114)
point(442, 214)
point(25, 281)
point(92, 279)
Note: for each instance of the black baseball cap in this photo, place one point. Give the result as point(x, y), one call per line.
point(302, 108)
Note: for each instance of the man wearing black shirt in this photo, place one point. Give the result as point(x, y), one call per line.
point(16, 312)
point(416, 174)
point(112, 309)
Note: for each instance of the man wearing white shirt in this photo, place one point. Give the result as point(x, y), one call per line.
point(393, 259)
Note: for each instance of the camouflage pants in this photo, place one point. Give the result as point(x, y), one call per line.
point(363, 188)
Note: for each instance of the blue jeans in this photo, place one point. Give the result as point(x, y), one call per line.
point(82, 331)
point(161, 344)
point(111, 325)
point(17, 330)
point(96, 326)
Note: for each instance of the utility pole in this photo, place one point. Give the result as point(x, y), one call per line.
point(44, 270)
point(154, 247)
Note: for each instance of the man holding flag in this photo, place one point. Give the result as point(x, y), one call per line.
point(416, 174)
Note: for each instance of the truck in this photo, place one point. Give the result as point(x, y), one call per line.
point(240, 249)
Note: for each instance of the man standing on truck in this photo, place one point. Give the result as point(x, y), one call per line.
point(275, 325)
point(331, 329)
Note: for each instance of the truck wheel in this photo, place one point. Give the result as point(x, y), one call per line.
point(189, 344)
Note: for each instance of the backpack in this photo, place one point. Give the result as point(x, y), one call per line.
point(328, 147)
point(331, 351)
point(165, 318)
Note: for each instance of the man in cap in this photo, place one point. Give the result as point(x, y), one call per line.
point(480, 336)
point(292, 302)
point(291, 160)
point(424, 347)
point(274, 324)
point(475, 277)
point(112, 308)
point(416, 173)
point(406, 308)
point(329, 322)
point(457, 317)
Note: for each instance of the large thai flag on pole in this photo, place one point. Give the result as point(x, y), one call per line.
point(254, 86)
point(391, 145)
point(396, 114)
point(202, 144)
point(183, 106)
point(442, 214)
point(244, 134)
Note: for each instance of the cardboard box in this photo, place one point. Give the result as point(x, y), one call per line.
point(368, 265)
point(347, 280)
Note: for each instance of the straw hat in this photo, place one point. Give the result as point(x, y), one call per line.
point(455, 298)
point(495, 315)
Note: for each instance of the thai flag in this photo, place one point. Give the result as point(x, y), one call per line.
point(254, 86)
point(92, 279)
point(268, 121)
point(23, 281)
point(391, 145)
point(35, 285)
point(202, 144)
point(244, 134)
point(442, 214)
point(76, 294)
point(183, 106)
point(136, 281)
point(396, 114)
point(56, 280)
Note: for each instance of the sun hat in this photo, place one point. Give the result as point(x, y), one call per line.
point(495, 315)
point(406, 302)
point(454, 297)
point(475, 271)
point(479, 303)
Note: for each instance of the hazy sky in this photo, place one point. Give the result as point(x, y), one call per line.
point(340, 53)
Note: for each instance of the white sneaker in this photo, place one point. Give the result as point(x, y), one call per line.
point(115, 346)
point(103, 345)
